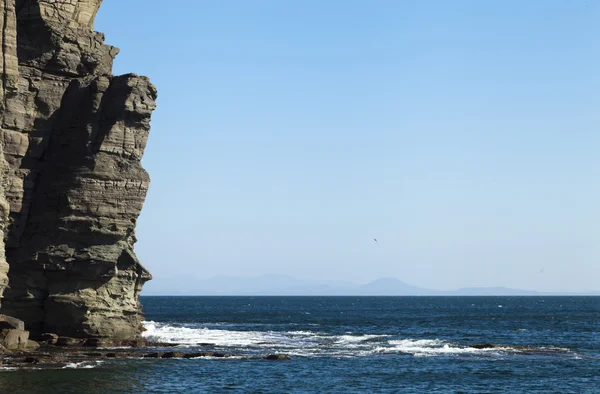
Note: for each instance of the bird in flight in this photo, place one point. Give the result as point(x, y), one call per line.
point(375, 239)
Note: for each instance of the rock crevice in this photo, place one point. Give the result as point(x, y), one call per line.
point(71, 182)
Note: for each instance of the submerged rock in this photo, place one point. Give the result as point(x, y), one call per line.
point(71, 183)
point(173, 355)
point(277, 357)
point(484, 346)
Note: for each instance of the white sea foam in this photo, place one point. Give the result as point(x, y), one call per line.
point(217, 358)
point(356, 341)
point(432, 347)
point(302, 333)
point(308, 343)
point(160, 332)
point(82, 365)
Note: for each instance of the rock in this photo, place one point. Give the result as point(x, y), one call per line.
point(14, 339)
point(207, 354)
point(69, 341)
point(71, 184)
point(7, 322)
point(48, 338)
point(31, 360)
point(153, 355)
point(199, 354)
point(277, 357)
point(97, 342)
point(93, 354)
point(161, 344)
point(483, 346)
point(221, 355)
point(32, 345)
point(173, 355)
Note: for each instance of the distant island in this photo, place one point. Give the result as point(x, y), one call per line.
point(281, 285)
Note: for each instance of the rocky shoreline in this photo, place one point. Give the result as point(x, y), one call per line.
point(19, 351)
point(48, 356)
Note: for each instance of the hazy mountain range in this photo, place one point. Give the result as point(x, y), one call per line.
point(289, 286)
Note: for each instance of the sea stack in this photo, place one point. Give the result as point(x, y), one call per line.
point(71, 182)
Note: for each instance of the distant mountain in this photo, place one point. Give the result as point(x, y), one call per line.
point(490, 291)
point(282, 285)
point(232, 285)
point(391, 286)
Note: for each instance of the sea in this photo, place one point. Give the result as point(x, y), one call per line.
point(350, 345)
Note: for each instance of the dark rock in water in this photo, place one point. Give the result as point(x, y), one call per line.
point(71, 184)
point(173, 355)
point(153, 355)
point(31, 360)
point(221, 355)
point(277, 357)
point(93, 354)
point(110, 355)
point(199, 354)
point(484, 346)
point(207, 354)
point(161, 344)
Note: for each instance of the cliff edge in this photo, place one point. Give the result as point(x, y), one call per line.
point(71, 182)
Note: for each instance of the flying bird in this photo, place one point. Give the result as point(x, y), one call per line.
point(375, 239)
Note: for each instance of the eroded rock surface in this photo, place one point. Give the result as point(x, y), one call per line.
point(71, 183)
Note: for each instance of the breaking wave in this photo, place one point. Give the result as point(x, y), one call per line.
point(83, 365)
point(319, 344)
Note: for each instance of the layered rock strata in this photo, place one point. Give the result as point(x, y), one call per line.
point(71, 182)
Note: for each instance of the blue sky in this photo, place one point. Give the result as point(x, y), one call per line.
point(463, 135)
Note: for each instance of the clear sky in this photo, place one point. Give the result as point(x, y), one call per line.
point(463, 135)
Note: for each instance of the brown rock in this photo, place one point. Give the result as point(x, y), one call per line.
point(97, 342)
point(32, 345)
point(14, 339)
point(7, 322)
point(68, 341)
point(48, 338)
point(71, 184)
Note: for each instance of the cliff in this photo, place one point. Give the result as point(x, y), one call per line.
point(71, 182)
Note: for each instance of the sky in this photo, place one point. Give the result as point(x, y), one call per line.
point(462, 135)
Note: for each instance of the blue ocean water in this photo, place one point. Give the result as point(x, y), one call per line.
point(351, 345)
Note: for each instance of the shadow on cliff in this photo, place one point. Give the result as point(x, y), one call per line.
point(52, 240)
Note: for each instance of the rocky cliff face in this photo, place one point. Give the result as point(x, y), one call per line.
point(71, 183)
